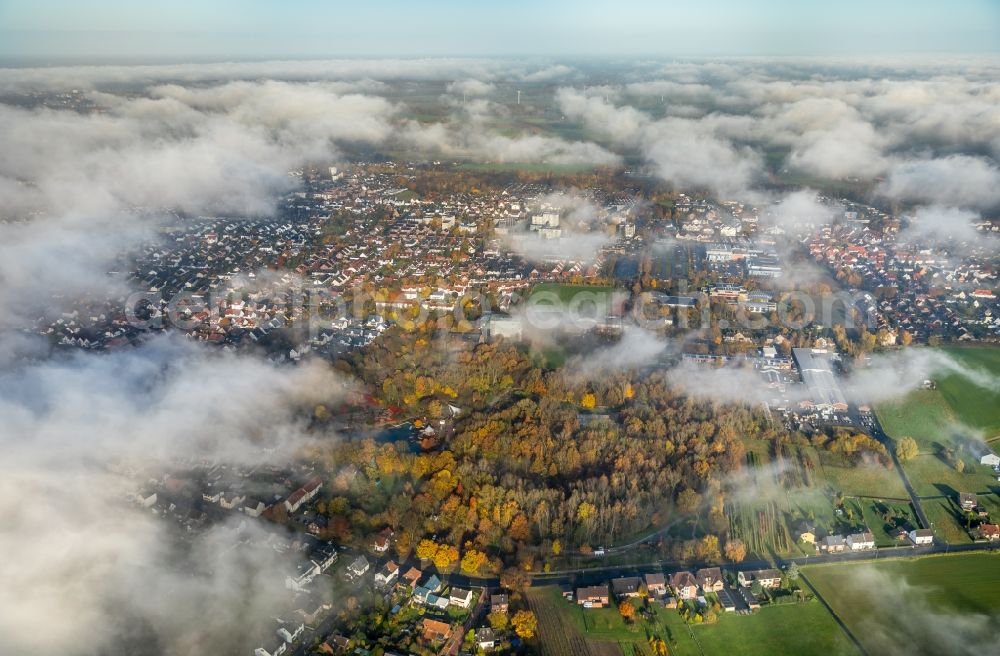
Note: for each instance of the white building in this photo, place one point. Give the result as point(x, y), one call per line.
point(861, 541)
point(460, 597)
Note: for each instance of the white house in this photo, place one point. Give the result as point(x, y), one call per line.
point(358, 567)
point(991, 459)
point(388, 574)
point(861, 541)
point(291, 632)
point(460, 597)
point(485, 639)
point(922, 536)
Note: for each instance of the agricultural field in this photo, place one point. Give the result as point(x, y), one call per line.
point(802, 486)
point(922, 414)
point(910, 602)
point(974, 405)
point(801, 629)
point(569, 630)
point(866, 480)
point(932, 476)
point(935, 416)
point(946, 422)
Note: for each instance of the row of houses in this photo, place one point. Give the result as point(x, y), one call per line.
point(683, 585)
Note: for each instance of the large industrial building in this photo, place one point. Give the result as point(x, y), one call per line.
point(816, 368)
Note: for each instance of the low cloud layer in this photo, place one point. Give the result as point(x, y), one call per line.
point(915, 621)
point(76, 550)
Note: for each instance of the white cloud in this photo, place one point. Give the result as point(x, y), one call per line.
point(76, 550)
point(957, 180)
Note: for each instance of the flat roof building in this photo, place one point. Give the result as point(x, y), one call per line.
point(816, 368)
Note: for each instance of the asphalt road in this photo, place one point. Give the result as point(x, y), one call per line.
point(594, 575)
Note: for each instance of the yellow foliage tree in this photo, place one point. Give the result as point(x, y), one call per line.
point(525, 623)
point(472, 561)
point(427, 549)
point(446, 555)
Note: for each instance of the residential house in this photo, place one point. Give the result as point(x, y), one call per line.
point(922, 536)
point(499, 603)
point(411, 577)
point(434, 630)
point(290, 632)
point(656, 585)
point(358, 567)
point(280, 648)
point(626, 587)
point(389, 573)
point(990, 459)
point(767, 578)
point(684, 584)
point(967, 500)
point(254, 507)
point(303, 495)
point(460, 597)
point(382, 540)
point(335, 644)
point(485, 639)
point(433, 583)
point(989, 532)
point(833, 544)
point(710, 579)
point(595, 596)
point(749, 598)
point(726, 600)
point(861, 541)
point(806, 533)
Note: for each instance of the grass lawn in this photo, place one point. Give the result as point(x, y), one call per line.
point(922, 414)
point(873, 520)
point(863, 480)
point(935, 419)
point(929, 416)
point(946, 524)
point(566, 293)
point(789, 629)
point(976, 406)
point(911, 602)
point(931, 476)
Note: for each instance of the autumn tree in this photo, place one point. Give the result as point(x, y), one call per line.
point(498, 621)
point(708, 549)
point(515, 579)
point(688, 500)
point(445, 557)
point(627, 610)
point(525, 623)
point(427, 549)
point(472, 561)
point(736, 551)
point(907, 449)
